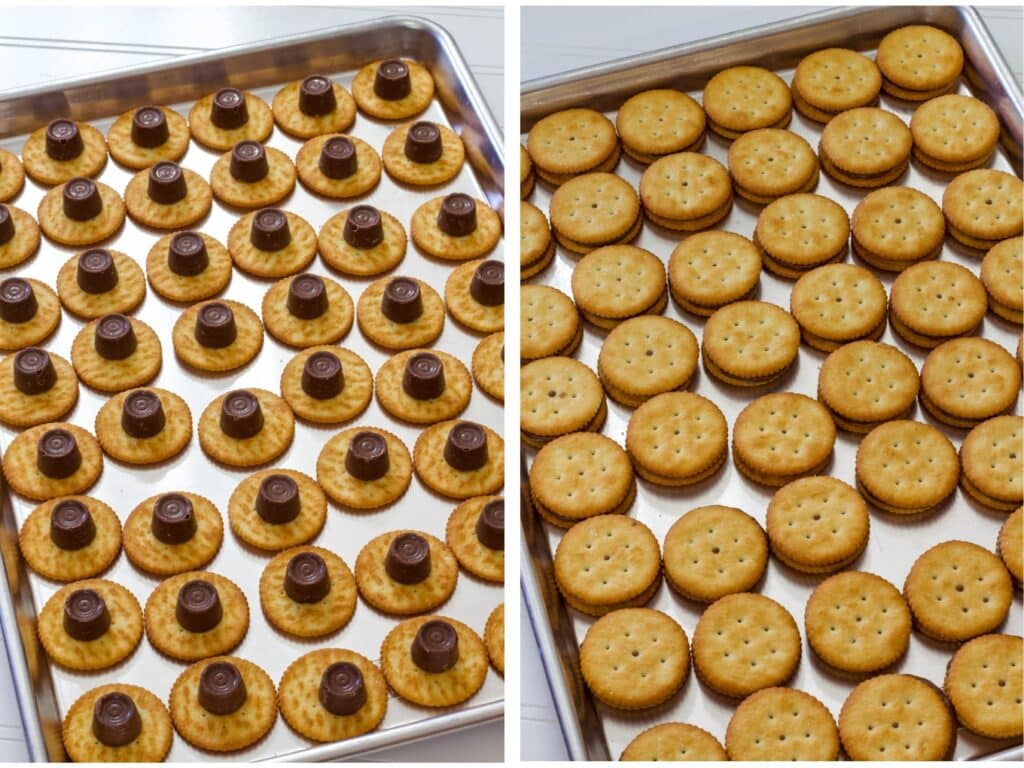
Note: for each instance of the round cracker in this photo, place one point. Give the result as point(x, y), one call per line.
point(406, 171)
point(171, 639)
point(23, 475)
point(124, 297)
point(147, 212)
point(188, 288)
point(383, 257)
point(266, 445)
point(332, 325)
point(435, 473)
point(56, 564)
point(355, 395)
point(248, 526)
point(421, 91)
point(396, 401)
point(257, 128)
point(489, 365)
point(61, 229)
point(352, 494)
point(151, 746)
point(241, 351)
point(294, 257)
point(18, 409)
point(150, 554)
point(15, 336)
point(464, 308)
point(136, 370)
point(128, 153)
point(366, 177)
point(25, 243)
point(460, 534)
point(431, 240)
point(272, 188)
point(325, 616)
point(12, 176)
point(166, 444)
point(49, 172)
point(295, 122)
point(387, 333)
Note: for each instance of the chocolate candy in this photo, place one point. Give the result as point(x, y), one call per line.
point(33, 371)
point(57, 454)
point(322, 376)
point(249, 162)
point(6, 225)
point(221, 688)
point(316, 96)
point(277, 501)
point(142, 414)
point(173, 520)
point(408, 559)
point(114, 338)
point(187, 255)
point(457, 216)
point(63, 140)
point(167, 183)
point(490, 526)
point(338, 158)
point(392, 81)
point(198, 608)
point(423, 142)
point(82, 200)
point(488, 283)
point(270, 230)
point(436, 646)
point(215, 326)
point(241, 415)
point(342, 691)
point(228, 109)
point(96, 272)
point(306, 579)
point(466, 447)
point(363, 227)
point(71, 525)
point(402, 302)
point(424, 376)
point(367, 456)
point(17, 301)
point(85, 615)
point(307, 297)
point(115, 720)
point(149, 127)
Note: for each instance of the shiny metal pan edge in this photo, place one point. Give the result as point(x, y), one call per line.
point(262, 66)
point(605, 87)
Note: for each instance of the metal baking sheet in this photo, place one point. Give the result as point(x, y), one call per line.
point(45, 692)
point(593, 730)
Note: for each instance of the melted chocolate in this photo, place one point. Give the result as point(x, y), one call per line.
point(306, 579)
point(57, 454)
point(33, 371)
point(240, 414)
point(457, 216)
point(85, 615)
point(173, 520)
point(322, 376)
point(423, 143)
point(363, 227)
point(424, 376)
point(490, 526)
point(307, 297)
point(115, 720)
point(338, 159)
point(221, 688)
point(408, 559)
point(228, 109)
point(270, 230)
point(142, 414)
point(96, 272)
point(149, 127)
point(316, 96)
point(249, 162)
point(277, 500)
point(187, 255)
point(342, 691)
point(466, 447)
point(81, 199)
point(402, 301)
point(215, 326)
point(435, 648)
point(71, 525)
point(198, 608)
point(63, 140)
point(167, 183)
point(17, 300)
point(367, 457)
point(114, 338)
point(392, 81)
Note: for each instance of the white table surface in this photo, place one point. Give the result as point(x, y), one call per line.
point(37, 45)
point(555, 40)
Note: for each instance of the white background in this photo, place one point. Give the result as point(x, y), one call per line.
point(39, 45)
point(555, 40)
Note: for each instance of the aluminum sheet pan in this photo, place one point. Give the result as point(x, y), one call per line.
point(593, 730)
point(45, 692)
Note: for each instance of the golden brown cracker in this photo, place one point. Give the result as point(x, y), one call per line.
point(407, 171)
point(241, 351)
point(171, 639)
point(710, 269)
point(24, 476)
point(919, 61)
point(151, 746)
point(458, 387)
point(295, 122)
point(549, 323)
point(646, 356)
point(136, 370)
point(755, 733)
point(750, 343)
point(150, 554)
point(865, 147)
point(19, 409)
point(56, 564)
point(355, 395)
point(741, 99)
point(558, 395)
point(838, 303)
point(169, 442)
point(294, 331)
point(65, 231)
point(147, 212)
point(116, 644)
point(387, 595)
point(294, 257)
point(984, 685)
point(248, 526)
point(954, 133)
point(272, 188)
point(325, 616)
point(894, 227)
point(435, 473)
point(353, 494)
point(865, 383)
point(383, 257)
point(494, 638)
point(615, 282)
point(224, 733)
point(833, 80)
point(934, 301)
point(257, 128)
point(460, 535)
point(536, 246)
point(421, 91)
point(433, 689)
point(266, 445)
point(429, 238)
point(570, 142)
point(128, 153)
point(188, 288)
point(967, 380)
point(799, 232)
point(464, 308)
point(984, 206)
point(991, 462)
point(15, 336)
point(124, 297)
point(385, 332)
point(49, 172)
point(365, 179)
point(1002, 273)
point(25, 243)
point(298, 697)
point(1009, 544)
point(686, 191)
point(768, 163)
point(674, 741)
point(595, 209)
point(489, 365)
point(659, 122)
point(12, 175)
